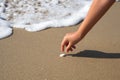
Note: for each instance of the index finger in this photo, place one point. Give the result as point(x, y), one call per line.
point(63, 43)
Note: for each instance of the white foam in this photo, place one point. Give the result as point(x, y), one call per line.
point(5, 29)
point(36, 15)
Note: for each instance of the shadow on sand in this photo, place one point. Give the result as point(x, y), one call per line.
point(95, 54)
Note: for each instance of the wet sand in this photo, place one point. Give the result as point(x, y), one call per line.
point(35, 56)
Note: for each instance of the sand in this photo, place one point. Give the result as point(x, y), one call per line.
point(35, 56)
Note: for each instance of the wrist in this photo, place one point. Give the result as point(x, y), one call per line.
point(78, 35)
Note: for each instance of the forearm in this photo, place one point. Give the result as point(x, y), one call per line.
point(96, 11)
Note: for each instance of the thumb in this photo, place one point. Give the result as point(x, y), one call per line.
point(68, 47)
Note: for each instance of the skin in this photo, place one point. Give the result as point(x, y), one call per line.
point(96, 11)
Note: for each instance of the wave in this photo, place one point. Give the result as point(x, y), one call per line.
point(36, 15)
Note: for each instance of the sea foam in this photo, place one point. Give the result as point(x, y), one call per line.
point(36, 15)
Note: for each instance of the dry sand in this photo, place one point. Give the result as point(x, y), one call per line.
point(35, 56)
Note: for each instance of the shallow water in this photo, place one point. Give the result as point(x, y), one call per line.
point(36, 15)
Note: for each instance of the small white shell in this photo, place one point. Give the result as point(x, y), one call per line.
point(62, 55)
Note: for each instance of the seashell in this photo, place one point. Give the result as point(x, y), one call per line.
point(62, 55)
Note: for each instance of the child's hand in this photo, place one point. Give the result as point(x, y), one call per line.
point(96, 11)
point(69, 41)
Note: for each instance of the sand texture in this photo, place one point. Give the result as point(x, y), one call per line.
point(35, 56)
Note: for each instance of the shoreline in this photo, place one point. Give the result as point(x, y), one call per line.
point(35, 56)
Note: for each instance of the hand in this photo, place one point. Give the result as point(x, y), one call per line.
point(69, 41)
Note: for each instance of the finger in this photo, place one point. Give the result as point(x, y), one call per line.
point(74, 46)
point(63, 44)
point(71, 49)
point(68, 47)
